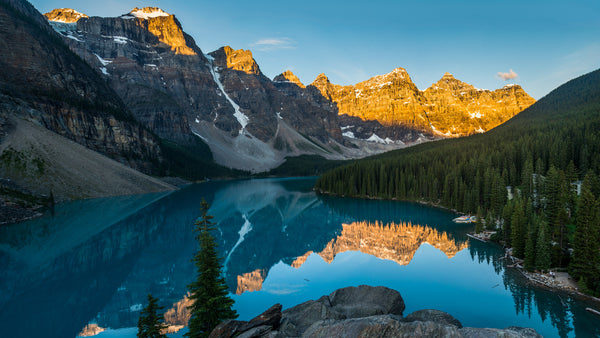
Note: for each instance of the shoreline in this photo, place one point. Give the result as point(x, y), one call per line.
point(564, 283)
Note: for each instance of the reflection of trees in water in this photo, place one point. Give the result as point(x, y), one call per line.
point(527, 298)
point(489, 253)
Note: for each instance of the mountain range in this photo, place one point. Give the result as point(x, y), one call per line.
point(177, 91)
point(138, 92)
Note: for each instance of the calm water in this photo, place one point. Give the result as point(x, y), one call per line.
point(95, 261)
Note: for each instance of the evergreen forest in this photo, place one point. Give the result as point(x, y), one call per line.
point(533, 179)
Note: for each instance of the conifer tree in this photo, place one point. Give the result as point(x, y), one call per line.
point(211, 302)
point(519, 232)
point(479, 221)
point(543, 257)
point(586, 246)
point(530, 246)
point(150, 323)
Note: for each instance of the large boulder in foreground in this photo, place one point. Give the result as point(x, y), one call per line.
point(362, 311)
point(350, 302)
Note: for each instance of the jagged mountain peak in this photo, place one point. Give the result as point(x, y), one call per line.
point(66, 15)
point(288, 77)
point(147, 13)
point(449, 82)
point(321, 78)
point(399, 74)
point(240, 59)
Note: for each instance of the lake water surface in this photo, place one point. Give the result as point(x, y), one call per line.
point(95, 261)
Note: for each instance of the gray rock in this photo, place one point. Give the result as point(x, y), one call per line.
point(433, 316)
point(379, 326)
point(297, 319)
point(364, 301)
point(509, 332)
point(256, 332)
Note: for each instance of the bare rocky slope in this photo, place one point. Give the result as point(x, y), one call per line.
point(44, 162)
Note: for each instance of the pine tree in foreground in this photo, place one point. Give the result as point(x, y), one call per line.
point(150, 323)
point(211, 302)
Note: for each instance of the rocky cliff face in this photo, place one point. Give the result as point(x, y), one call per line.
point(455, 108)
point(42, 81)
point(448, 108)
point(155, 68)
point(370, 110)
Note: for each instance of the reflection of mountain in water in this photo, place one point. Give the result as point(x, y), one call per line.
point(250, 281)
point(395, 242)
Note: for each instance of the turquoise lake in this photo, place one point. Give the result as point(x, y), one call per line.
point(95, 261)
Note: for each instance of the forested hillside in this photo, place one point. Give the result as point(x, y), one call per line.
point(520, 176)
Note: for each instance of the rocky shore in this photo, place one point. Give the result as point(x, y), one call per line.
point(362, 311)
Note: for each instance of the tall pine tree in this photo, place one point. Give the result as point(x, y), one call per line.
point(211, 302)
point(150, 323)
point(586, 243)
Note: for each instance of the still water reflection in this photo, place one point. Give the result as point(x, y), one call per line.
point(95, 261)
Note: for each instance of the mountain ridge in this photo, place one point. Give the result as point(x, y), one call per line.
point(222, 98)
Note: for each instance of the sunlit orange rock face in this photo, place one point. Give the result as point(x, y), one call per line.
point(66, 15)
point(165, 26)
point(448, 108)
point(240, 60)
point(288, 77)
point(250, 281)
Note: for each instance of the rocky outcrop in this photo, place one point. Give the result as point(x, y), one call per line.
point(362, 311)
point(448, 108)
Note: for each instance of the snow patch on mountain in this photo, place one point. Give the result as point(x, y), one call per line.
point(477, 115)
point(147, 14)
point(241, 117)
point(348, 134)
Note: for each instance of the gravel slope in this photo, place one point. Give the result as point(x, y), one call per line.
point(50, 162)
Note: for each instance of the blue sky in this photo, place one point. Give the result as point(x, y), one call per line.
point(544, 43)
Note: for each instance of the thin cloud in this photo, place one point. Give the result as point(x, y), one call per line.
point(508, 76)
point(274, 43)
